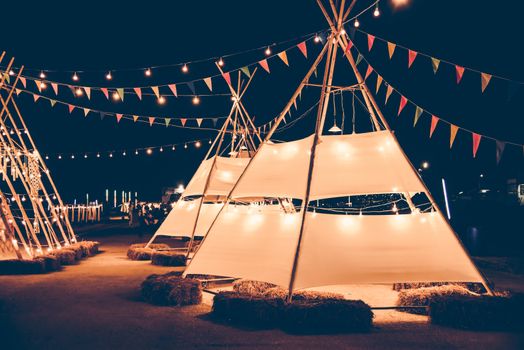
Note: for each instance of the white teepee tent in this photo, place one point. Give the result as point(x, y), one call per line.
point(307, 248)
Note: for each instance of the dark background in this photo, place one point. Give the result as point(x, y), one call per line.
point(96, 36)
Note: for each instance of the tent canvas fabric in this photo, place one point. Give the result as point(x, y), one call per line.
point(335, 249)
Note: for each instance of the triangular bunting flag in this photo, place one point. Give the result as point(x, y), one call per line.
point(418, 113)
point(476, 142)
point(105, 92)
point(227, 77)
point(53, 102)
point(183, 121)
point(303, 48)
point(138, 92)
point(102, 115)
point(263, 63)
point(379, 82)
point(24, 82)
point(215, 121)
point(484, 80)
point(135, 118)
point(36, 97)
point(209, 83)
point(70, 107)
point(411, 57)
point(18, 91)
point(118, 117)
point(371, 40)
point(348, 47)
point(435, 62)
point(453, 129)
point(434, 122)
point(151, 121)
point(459, 72)
point(368, 71)
point(199, 121)
point(55, 88)
point(246, 71)
point(283, 56)
point(389, 90)
point(156, 91)
point(88, 92)
point(120, 92)
point(167, 121)
point(500, 145)
point(7, 78)
point(402, 104)
point(391, 49)
point(359, 59)
point(172, 87)
point(38, 85)
point(191, 86)
point(86, 111)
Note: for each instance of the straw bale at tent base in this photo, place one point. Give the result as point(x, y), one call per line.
point(171, 289)
point(472, 287)
point(425, 295)
point(168, 258)
point(22, 267)
point(139, 252)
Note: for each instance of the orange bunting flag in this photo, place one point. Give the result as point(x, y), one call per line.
point(476, 143)
point(453, 129)
point(183, 121)
point(70, 107)
point(303, 48)
point(118, 117)
point(156, 91)
point(151, 121)
point(88, 92)
point(86, 111)
point(402, 104)
point(411, 57)
point(105, 92)
point(435, 63)
point(264, 65)
point(460, 72)
point(36, 97)
point(283, 56)
point(135, 118)
point(172, 87)
point(55, 88)
point(199, 121)
point(434, 122)
point(371, 40)
point(391, 49)
point(227, 77)
point(38, 85)
point(138, 92)
point(379, 82)
point(24, 82)
point(18, 91)
point(389, 90)
point(209, 83)
point(484, 80)
point(368, 71)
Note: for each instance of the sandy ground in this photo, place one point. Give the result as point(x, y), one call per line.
point(96, 305)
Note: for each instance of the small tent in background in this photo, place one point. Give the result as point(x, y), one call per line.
point(311, 247)
point(33, 217)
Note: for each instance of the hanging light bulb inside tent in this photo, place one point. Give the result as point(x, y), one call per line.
point(357, 23)
point(75, 77)
point(148, 72)
point(42, 75)
point(185, 69)
point(161, 100)
point(268, 51)
point(196, 100)
point(335, 128)
point(109, 76)
point(221, 62)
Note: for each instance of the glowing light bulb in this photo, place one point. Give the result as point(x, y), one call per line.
point(110, 155)
point(42, 85)
point(209, 142)
point(173, 148)
point(161, 100)
point(395, 209)
point(85, 155)
point(268, 51)
point(11, 72)
point(161, 149)
point(148, 72)
point(149, 151)
point(115, 96)
point(185, 145)
point(343, 31)
point(357, 23)
point(221, 62)
point(185, 69)
point(98, 155)
point(317, 38)
point(376, 13)
point(196, 100)
point(109, 76)
point(23, 198)
point(198, 144)
point(79, 92)
point(425, 165)
point(42, 75)
point(136, 152)
point(75, 77)
point(72, 156)
point(46, 157)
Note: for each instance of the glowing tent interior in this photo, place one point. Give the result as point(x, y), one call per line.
point(311, 247)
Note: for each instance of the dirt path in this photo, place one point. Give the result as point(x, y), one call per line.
point(96, 305)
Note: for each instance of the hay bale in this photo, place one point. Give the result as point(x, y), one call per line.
point(279, 292)
point(171, 289)
point(51, 263)
point(248, 310)
point(253, 288)
point(423, 296)
point(89, 248)
point(65, 256)
point(472, 287)
point(22, 267)
point(479, 313)
point(327, 316)
point(76, 249)
point(139, 252)
point(168, 258)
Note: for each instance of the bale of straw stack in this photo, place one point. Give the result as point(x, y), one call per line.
point(249, 287)
point(168, 258)
point(65, 256)
point(22, 267)
point(423, 296)
point(139, 252)
point(171, 289)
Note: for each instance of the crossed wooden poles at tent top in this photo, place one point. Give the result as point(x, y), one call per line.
point(31, 185)
point(338, 38)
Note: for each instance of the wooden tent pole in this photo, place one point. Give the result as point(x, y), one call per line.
point(8, 231)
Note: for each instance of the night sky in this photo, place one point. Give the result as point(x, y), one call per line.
point(98, 36)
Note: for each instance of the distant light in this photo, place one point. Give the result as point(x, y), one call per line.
point(196, 100)
point(149, 151)
point(11, 72)
point(124, 153)
point(161, 100)
point(42, 85)
point(209, 142)
point(357, 23)
point(115, 96)
point(85, 155)
point(268, 51)
point(395, 209)
point(173, 148)
point(425, 165)
point(109, 76)
point(59, 156)
point(79, 92)
point(185, 68)
point(148, 72)
point(343, 31)
point(481, 175)
point(400, 3)
point(110, 155)
point(72, 156)
point(317, 38)
point(46, 157)
point(484, 190)
point(221, 62)
point(161, 149)
point(98, 155)
point(198, 144)
point(136, 152)
point(75, 77)
point(185, 145)
point(42, 75)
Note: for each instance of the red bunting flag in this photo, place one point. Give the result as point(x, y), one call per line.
point(135, 118)
point(88, 92)
point(264, 65)
point(391, 49)
point(209, 83)
point(227, 77)
point(411, 57)
point(70, 107)
point(118, 117)
point(199, 121)
point(402, 104)
point(36, 97)
point(453, 129)
point(371, 40)
point(151, 121)
point(156, 91)
point(389, 90)
point(303, 48)
point(460, 72)
point(172, 87)
point(368, 71)
point(183, 121)
point(484, 80)
point(55, 88)
point(105, 92)
point(283, 56)
point(138, 92)
point(24, 82)
point(434, 122)
point(476, 143)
